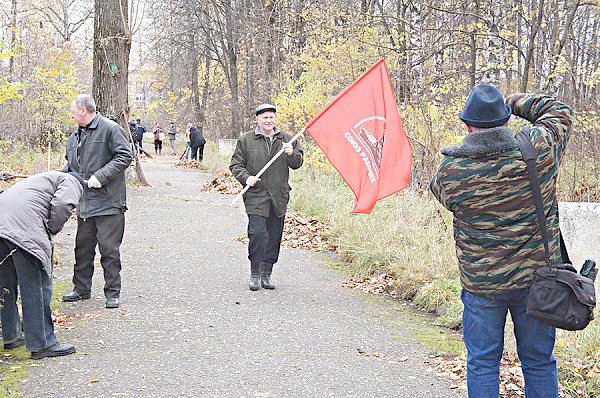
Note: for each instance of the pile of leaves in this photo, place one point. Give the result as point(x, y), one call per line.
point(224, 183)
point(302, 232)
point(382, 284)
point(62, 320)
point(511, 378)
point(4, 176)
point(9, 176)
point(190, 164)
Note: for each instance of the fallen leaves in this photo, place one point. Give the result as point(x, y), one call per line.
point(302, 232)
point(4, 176)
point(62, 320)
point(190, 164)
point(382, 284)
point(367, 353)
point(223, 183)
point(454, 368)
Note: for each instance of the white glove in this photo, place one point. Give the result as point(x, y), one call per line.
point(94, 183)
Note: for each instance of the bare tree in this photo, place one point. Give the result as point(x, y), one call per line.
point(535, 27)
point(112, 43)
point(13, 34)
point(553, 80)
point(66, 16)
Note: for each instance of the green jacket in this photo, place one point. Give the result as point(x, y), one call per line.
point(250, 155)
point(483, 181)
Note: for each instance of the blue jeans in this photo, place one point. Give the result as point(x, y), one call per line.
point(484, 317)
point(26, 271)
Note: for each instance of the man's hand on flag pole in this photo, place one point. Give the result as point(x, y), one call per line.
point(287, 148)
point(252, 180)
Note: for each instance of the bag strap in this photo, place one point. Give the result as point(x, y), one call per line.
point(530, 156)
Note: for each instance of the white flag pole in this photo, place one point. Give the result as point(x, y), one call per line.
point(294, 138)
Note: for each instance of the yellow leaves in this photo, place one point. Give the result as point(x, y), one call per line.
point(54, 83)
point(9, 90)
point(153, 106)
point(434, 113)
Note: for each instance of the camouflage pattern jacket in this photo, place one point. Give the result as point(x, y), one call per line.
point(483, 181)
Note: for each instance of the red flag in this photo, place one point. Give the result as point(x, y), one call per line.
point(361, 134)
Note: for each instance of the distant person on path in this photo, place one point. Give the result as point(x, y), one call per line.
point(267, 199)
point(158, 139)
point(140, 129)
point(98, 150)
point(187, 152)
point(197, 142)
point(134, 136)
point(483, 181)
point(172, 137)
point(33, 211)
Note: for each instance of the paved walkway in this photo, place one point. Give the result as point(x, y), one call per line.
point(189, 326)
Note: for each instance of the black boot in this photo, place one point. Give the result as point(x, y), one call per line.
point(254, 276)
point(265, 279)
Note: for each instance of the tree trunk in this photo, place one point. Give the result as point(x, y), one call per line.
point(13, 37)
point(196, 112)
point(551, 85)
point(473, 45)
point(535, 27)
point(112, 43)
point(232, 63)
point(205, 87)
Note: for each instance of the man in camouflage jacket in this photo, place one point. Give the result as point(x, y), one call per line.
point(483, 181)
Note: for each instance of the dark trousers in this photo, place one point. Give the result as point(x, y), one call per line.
point(107, 233)
point(24, 270)
point(264, 235)
point(198, 152)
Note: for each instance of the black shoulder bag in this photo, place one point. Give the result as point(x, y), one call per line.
point(558, 295)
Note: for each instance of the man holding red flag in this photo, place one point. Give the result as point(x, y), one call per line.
point(268, 191)
point(361, 134)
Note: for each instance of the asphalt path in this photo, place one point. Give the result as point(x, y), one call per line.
point(188, 325)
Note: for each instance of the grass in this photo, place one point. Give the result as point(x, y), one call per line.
point(410, 236)
point(13, 371)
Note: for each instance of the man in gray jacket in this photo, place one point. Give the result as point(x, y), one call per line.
point(33, 211)
point(99, 150)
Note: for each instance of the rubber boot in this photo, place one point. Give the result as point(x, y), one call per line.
point(254, 276)
point(265, 279)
